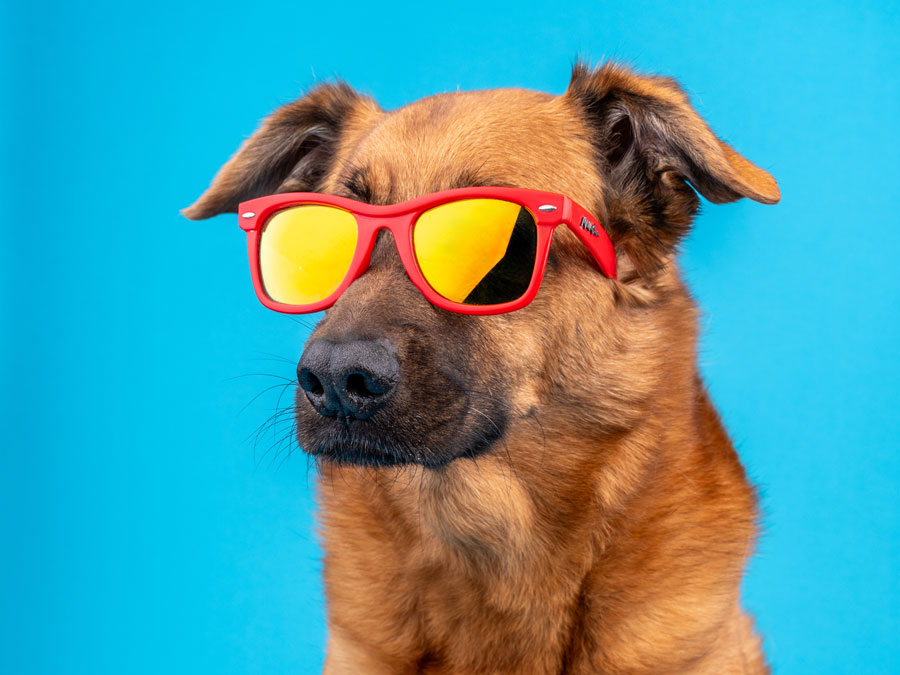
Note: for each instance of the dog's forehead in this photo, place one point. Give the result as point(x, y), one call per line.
point(511, 137)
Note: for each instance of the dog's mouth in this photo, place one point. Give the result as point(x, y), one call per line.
point(367, 446)
point(360, 451)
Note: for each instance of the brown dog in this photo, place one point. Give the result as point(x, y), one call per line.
point(549, 490)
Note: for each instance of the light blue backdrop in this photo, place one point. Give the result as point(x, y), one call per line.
point(140, 532)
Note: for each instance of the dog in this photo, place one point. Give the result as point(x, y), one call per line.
point(548, 490)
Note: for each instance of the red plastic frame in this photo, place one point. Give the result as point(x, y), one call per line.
point(548, 209)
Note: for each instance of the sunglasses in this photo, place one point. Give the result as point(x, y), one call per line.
point(478, 250)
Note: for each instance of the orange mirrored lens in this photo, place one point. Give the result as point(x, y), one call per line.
point(477, 251)
point(305, 253)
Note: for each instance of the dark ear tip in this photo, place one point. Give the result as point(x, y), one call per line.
point(208, 205)
point(192, 212)
point(199, 211)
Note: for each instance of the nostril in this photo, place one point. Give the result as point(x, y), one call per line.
point(363, 386)
point(310, 383)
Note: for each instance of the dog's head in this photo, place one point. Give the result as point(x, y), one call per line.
point(386, 377)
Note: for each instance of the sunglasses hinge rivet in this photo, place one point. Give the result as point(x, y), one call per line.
point(249, 214)
point(547, 207)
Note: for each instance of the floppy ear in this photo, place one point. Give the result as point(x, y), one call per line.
point(291, 151)
point(652, 146)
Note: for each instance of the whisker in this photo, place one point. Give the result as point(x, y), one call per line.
point(276, 357)
point(306, 323)
point(264, 391)
point(280, 377)
point(272, 422)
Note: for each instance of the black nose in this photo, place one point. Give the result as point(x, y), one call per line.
point(347, 379)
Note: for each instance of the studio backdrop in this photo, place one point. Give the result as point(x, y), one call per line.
point(156, 515)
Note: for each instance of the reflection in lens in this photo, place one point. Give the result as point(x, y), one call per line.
point(305, 253)
point(477, 251)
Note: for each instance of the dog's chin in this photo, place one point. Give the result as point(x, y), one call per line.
point(360, 453)
point(362, 450)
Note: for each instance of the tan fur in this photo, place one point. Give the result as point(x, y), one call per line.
point(607, 531)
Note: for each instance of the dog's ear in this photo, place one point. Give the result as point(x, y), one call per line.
point(652, 146)
point(292, 150)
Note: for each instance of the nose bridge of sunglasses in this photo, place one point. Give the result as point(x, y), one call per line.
point(371, 226)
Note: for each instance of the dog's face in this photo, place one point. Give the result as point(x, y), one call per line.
point(386, 377)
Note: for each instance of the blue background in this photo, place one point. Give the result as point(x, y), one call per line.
point(141, 530)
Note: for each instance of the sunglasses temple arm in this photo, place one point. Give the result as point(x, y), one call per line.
point(592, 235)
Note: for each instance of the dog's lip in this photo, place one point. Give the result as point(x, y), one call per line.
point(354, 450)
point(364, 443)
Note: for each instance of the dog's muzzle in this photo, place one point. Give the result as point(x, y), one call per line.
point(384, 401)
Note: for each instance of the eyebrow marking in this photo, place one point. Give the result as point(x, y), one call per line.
point(470, 178)
point(360, 184)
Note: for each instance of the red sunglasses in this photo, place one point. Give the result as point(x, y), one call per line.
point(480, 250)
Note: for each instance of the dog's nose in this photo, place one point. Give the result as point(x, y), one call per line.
point(347, 379)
